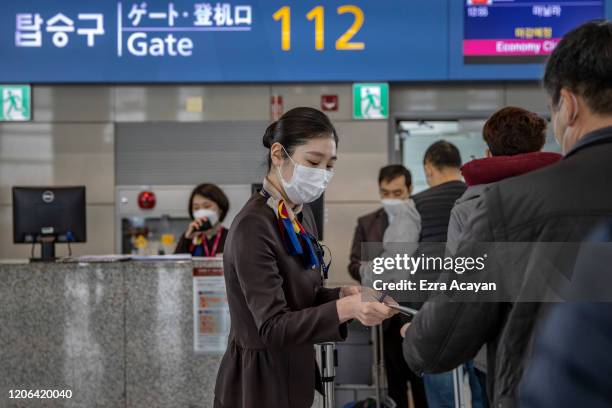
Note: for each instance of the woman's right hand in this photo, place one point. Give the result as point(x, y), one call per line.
point(368, 313)
point(193, 227)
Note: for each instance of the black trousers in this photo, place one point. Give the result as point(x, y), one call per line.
point(398, 372)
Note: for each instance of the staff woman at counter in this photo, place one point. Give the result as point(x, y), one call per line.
point(278, 306)
point(205, 236)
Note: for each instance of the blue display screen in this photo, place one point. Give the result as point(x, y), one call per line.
point(521, 30)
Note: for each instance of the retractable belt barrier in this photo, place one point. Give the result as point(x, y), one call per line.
point(327, 358)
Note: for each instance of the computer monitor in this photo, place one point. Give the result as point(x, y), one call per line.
point(47, 215)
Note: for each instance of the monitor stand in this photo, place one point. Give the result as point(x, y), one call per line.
point(47, 250)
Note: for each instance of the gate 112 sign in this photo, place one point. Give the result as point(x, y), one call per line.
point(217, 41)
point(146, 31)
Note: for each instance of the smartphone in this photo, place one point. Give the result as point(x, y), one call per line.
point(408, 311)
point(205, 226)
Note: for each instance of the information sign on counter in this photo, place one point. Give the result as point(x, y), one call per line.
point(211, 321)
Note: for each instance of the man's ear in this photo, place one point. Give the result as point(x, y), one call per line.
point(410, 189)
point(428, 168)
point(569, 105)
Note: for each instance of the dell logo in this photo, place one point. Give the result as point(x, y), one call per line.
point(48, 196)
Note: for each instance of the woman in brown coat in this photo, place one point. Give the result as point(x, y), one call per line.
point(278, 306)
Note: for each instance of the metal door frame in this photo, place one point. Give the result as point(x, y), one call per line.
point(394, 138)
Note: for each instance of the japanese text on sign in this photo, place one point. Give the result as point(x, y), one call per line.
point(141, 30)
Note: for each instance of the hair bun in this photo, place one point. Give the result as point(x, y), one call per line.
point(268, 137)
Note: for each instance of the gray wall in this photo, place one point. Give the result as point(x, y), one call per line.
point(228, 152)
point(73, 140)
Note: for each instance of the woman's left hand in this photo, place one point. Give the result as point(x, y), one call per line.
point(349, 290)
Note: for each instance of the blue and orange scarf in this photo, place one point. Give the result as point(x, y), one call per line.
point(296, 239)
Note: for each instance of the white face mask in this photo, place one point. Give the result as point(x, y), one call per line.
point(307, 183)
point(211, 215)
point(393, 206)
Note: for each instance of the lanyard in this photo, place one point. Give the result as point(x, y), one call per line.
point(213, 251)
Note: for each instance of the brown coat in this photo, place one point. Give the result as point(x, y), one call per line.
point(278, 309)
point(370, 228)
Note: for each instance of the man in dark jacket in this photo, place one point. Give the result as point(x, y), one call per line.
point(441, 164)
point(394, 184)
point(560, 203)
point(514, 137)
point(569, 368)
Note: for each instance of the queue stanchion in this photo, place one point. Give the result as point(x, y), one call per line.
point(328, 360)
point(377, 346)
point(458, 387)
point(325, 353)
point(376, 376)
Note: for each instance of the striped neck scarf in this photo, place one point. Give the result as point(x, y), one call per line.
point(297, 240)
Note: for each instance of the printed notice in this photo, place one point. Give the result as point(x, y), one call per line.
point(210, 310)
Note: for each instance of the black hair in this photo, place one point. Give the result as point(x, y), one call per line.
point(393, 171)
point(213, 193)
point(296, 127)
point(443, 154)
point(582, 64)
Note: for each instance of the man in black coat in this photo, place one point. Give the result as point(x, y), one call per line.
point(441, 164)
point(572, 363)
point(394, 183)
point(560, 203)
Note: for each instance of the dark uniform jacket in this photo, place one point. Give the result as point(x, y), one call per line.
point(559, 203)
point(278, 310)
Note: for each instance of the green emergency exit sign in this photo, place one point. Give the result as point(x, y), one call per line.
point(371, 101)
point(15, 103)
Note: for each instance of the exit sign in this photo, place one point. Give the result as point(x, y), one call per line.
point(15, 103)
point(371, 101)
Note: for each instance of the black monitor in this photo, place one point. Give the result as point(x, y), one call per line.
point(47, 215)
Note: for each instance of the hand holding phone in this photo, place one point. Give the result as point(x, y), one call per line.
point(197, 225)
point(204, 225)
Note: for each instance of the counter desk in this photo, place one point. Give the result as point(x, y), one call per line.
point(115, 334)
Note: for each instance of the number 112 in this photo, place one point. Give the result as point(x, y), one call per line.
point(317, 15)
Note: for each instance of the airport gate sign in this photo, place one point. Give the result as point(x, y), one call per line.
point(371, 101)
point(15, 103)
